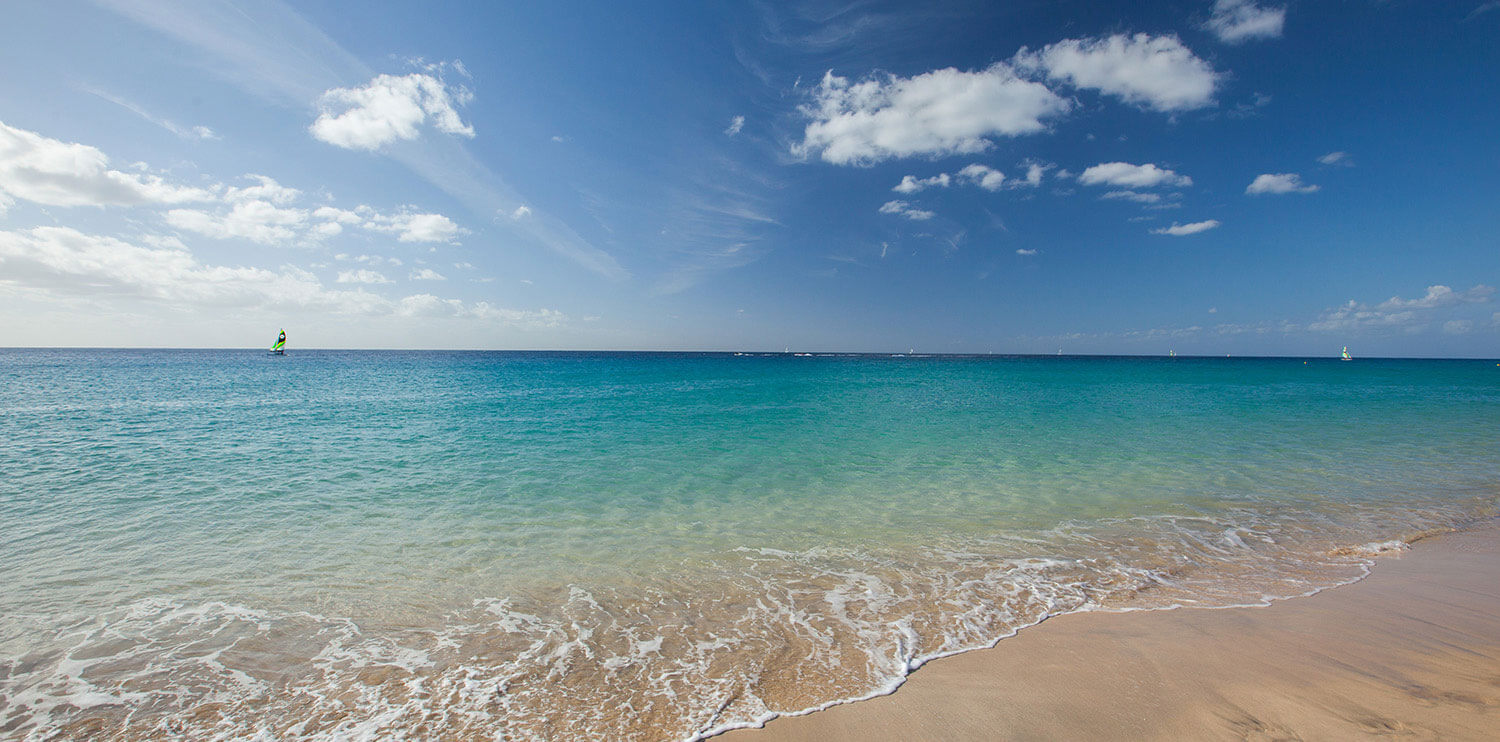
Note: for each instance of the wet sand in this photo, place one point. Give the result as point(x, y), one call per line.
point(1412, 651)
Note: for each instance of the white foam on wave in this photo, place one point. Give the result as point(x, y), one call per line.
point(763, 633)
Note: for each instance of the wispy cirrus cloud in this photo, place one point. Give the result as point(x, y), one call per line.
point(902, 208)
point(268, 49)
point(1339, 159)
point(191, 133)
point(1237, 21)
point(1191, 228)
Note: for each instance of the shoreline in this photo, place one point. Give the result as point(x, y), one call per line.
point(1412, 647)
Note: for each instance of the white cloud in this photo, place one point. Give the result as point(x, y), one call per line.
point(1156, 72)
point(1136, 196)
point(1034, 173)
point(370, 259)
point(389, 108)
point(362, 276)
point(983, 176)
point(1183, 230)
point(1235, 21)
point(1439, 296)
point(266, 189)
point(350, 218)
point(1126, 175)
point(55, 173)
point(942, 112)
point(426, 274)
point(413, 227)
point(905, 209)
point(735, 125)
point(185, 132)
point(1404, 314)
point(65, 261)
point(1024, 251)
point(254, 220)
point(1337, 158)
point(521, 212)
point(1279, 183)
point(913, 184)
point(1457, 326)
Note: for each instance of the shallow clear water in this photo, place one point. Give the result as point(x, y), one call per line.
point(220, 544)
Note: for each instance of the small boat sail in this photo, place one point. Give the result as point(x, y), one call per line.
point(279, 349)
point(1346, 356)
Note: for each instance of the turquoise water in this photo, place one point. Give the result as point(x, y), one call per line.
point(220, 544)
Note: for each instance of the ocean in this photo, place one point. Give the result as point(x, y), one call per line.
point(658, 546)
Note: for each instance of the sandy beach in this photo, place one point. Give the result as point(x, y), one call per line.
point(1411, 651)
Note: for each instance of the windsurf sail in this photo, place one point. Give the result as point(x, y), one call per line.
point(1346, 354)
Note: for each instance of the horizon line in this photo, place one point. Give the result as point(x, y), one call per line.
point(792, 353)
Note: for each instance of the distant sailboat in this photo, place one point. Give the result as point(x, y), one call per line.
point(1346, 356)
point(279, 349)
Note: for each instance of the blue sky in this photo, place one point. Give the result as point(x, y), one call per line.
point(1215, 176)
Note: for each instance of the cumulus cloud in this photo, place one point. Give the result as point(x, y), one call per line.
point(936, 113)
point(521, 212)
point(983, 176)
point(265, 189)
point(388, 108)
point(1279, 183)
point(426, 274)
point(1034, 173)
point(1403, 314)
point(735, 125)
point(254, 220)
point(62, 260)
point(415, 227)
point(913, 184)
point(370, 259)
point(1126, 175)
point(261, 213)
point(1136, 196)
point(56, 173)
point(1235, 21)
point(1183, 230)
point(976, 174)
point(362, 276)
point(1439, 296)
point(1155, 72)
point(902, 208)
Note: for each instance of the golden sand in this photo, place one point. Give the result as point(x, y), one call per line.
point(1413, 651)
